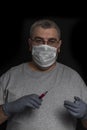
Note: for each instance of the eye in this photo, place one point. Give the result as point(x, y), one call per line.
point(38, 40)
point(52, 41)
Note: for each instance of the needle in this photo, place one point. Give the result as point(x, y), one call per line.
point(43, 94)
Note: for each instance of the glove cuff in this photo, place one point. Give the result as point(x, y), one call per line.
point(85, 117)
point(5, 109)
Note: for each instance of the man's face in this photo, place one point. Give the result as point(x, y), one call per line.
point(45, 36)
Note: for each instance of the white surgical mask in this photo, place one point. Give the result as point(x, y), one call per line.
point(44, 55)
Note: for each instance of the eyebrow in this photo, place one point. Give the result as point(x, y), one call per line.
point(52, 38)
point(38, 37)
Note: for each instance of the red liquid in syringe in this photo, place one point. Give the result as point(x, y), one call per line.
point(43, 94)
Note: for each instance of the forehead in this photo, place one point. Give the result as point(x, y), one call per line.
point(45, 33)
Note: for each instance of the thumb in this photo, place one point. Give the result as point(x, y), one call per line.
point(76, 99)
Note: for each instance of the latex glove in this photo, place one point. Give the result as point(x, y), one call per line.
point(31, 101)
point(78, 108)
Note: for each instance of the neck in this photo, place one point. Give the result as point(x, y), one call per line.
point(34, 67)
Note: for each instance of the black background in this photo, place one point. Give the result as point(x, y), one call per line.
point(14, 46)
point(15, 21)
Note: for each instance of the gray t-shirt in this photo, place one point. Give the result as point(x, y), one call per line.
point(62, 83)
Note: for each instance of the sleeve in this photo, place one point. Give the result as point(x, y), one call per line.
point(82, 87)
point(3, 85)
point(83, 91)
point(1, 94)
point(79, 86)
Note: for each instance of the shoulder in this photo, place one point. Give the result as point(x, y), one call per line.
point(13, 70)
point(17, 67)
point(72, 77)
point(68, 71)
point(65, 67)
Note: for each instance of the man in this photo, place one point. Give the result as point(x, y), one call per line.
point(43, 94)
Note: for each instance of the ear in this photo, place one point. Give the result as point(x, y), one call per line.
point(30, 44)
point(59, 45)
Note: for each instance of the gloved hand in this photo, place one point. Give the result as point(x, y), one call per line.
point(31, 101)
point(78, 108)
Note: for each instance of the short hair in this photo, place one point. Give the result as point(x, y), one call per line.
point(46, 24)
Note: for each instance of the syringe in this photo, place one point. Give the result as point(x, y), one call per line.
point(43, 94)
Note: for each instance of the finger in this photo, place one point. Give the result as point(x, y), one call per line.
point(71, 104)
point(77, 98)
point(33, 104)
point(75, 114)
point(36, 99)
point(72, 108)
